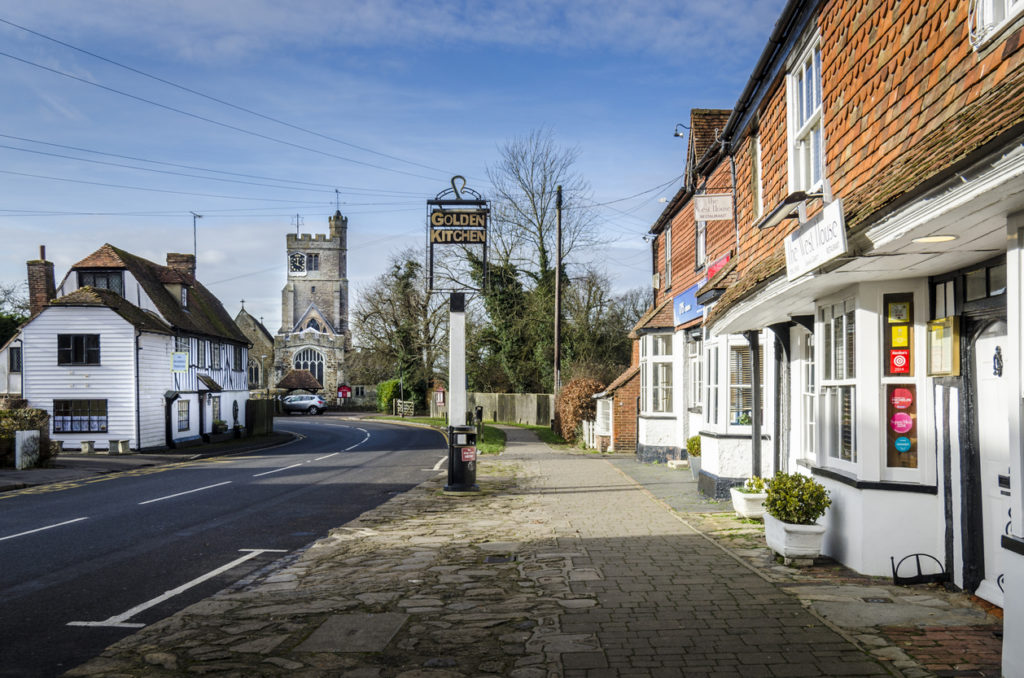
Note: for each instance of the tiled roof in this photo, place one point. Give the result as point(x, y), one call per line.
point(656, 317)
point(90, 296)
point(260, 327)
point(704, 124)
point(724, 278)
point(299, 379)
point(622, 380)
point(204, 316)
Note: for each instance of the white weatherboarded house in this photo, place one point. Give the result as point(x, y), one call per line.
point(128, 350)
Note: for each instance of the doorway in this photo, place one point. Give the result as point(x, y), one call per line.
point(987, 481)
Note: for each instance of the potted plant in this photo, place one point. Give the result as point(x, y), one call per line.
point(748, 500)
point(693, 453)
point(219, 426)
point(793, 504)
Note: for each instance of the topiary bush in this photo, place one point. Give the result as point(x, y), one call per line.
point(693, 446)
point(754, 485)
point(575, 406)
point(796, 498)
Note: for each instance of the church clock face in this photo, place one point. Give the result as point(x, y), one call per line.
point(297, 263)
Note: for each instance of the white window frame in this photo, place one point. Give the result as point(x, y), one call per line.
point(756, 371)
point(757, 180)
point(603, 418)
point(837, 383)
point(695, 360)
point(711, 405)
point(701, 249)
point(988, 19)
point(808, 398)
point(656, 374)
point(806, 142)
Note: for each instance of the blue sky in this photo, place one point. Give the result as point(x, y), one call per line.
point(419, 91)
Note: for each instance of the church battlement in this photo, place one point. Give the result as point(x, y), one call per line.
point(308, 237)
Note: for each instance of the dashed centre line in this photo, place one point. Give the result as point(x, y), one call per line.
point(40, 529)
point(179, 494)
point(276, 470)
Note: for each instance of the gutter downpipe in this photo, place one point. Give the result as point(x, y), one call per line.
point(138, 433)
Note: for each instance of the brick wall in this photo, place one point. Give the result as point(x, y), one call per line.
point(624, 415)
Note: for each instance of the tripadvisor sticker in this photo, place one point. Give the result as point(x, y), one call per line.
point(902, 444)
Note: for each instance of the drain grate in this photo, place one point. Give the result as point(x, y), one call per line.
point(509, 558)
point(877, 600)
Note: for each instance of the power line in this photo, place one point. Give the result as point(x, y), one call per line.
point(163, 190)
point(211, 120)
point(347, 189)
point(219, 101)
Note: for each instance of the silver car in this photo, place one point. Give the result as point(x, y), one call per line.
point(311, 404)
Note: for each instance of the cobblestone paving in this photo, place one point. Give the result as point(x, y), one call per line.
point(561, 566)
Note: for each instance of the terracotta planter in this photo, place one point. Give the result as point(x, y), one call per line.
point(793, 541)
point(748, 504)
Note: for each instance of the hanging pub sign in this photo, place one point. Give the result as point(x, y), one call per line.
point(457, 216)
point(179, 361)
point(898, 334)
point(712, 207)
point(901, 425)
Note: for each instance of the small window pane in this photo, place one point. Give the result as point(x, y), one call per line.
point(976, 286)
point(850, 349)
point(997, 280)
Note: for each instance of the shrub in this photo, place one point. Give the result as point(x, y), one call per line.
point(796, 498)
point(755, 485)
point(24, 419)
point(575, 406)
point(693, 446)
point(386, 392)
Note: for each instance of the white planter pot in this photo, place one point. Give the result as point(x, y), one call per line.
point(793, 541)
point(748, 504)
point(695, 467)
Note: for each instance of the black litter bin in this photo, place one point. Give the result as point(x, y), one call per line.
point(461, 459)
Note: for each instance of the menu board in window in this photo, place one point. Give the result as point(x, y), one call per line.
point(901, 425)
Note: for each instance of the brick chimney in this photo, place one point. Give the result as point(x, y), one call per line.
point(41, 285)
point(184, 263)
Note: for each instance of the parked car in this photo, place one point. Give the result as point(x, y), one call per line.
point(311, 404)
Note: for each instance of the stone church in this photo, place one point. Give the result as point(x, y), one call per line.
point(314, 333)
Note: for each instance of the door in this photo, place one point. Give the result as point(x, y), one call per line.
point(993, 449)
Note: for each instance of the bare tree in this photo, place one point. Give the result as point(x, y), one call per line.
point(14, 298)
point(398, 329)
point(524, 183)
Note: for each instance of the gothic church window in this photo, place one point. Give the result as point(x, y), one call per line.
point(254, 374)
point(312, 360)
point(314, 325)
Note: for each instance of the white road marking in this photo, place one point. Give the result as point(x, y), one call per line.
point(267, 473)
point(441, 462)
point(40, 529)
point(121, 620)
point(172, 496)
point(366, 436)
point(328, 456)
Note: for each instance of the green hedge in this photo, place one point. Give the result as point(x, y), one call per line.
point(23, 420)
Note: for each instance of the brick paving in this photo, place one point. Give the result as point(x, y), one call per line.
point(563, 566)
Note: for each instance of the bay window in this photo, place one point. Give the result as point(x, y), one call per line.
point(656, 373)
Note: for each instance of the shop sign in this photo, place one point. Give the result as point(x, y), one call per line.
point(901, 431)
point(179, 361)
point(712, 207)
point(816, 242)
point(685, 307)
point(455, 236)
point(717, 266)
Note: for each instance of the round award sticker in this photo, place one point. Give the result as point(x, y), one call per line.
point(902, 444)
point(901, 398)
point(901, 422)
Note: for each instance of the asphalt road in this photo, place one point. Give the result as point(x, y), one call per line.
point(83, 567)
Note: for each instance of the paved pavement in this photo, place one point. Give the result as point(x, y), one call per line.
point(563, 565)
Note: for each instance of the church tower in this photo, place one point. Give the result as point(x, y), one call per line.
point(314, 332)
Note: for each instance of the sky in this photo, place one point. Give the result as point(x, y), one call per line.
point(120, 119)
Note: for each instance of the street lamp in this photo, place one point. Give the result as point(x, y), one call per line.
point(263, 369)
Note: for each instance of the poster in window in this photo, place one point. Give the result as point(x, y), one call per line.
point(898, 335)
point(901, 425)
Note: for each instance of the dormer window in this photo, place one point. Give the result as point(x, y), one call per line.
point(104, 280)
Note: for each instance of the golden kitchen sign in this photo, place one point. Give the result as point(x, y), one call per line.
point(453, 227)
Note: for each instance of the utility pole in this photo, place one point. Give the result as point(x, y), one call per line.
point(557, 377)
point(195, 253)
